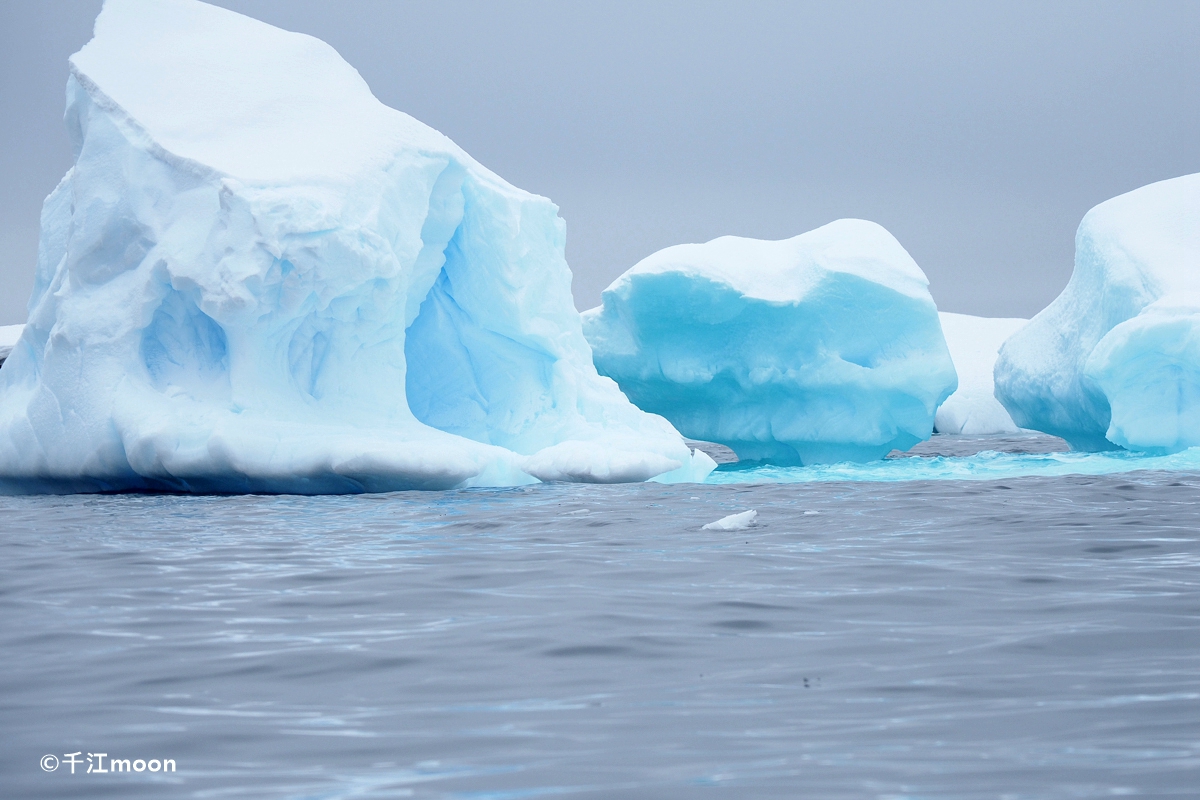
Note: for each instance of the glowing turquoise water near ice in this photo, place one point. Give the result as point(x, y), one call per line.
point(986, 465)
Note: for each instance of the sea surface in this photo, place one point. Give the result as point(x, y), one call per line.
point(949, 624)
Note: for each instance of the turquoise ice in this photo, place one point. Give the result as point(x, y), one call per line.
point(821, 348)
point(1115, 359)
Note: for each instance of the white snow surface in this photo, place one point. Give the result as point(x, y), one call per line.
point(1115, 359)
point(974, 342)
point(9, 334)
point(734, 522)
point(821, 348)
point(257, 277)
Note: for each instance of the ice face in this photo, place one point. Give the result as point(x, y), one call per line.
point(9, 334)
point(257, 277)
point(821, 348)
point(974, 342)
point(1115, 359)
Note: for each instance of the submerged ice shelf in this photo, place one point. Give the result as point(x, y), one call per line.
point(985, 465)
point(257, 277)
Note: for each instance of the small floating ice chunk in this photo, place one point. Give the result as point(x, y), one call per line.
point(734, 522)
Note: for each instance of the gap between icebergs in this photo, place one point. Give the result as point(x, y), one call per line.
point(974, 344)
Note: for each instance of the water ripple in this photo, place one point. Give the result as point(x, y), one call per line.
point(1032, 637)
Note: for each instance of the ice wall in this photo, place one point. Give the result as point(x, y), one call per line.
point(257, 277)
point(974, 343)
point(9, 334)
point(1115, 359)
point(821, 348)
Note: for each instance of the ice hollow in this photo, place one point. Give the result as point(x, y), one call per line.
point(974, 343)
point(257, 277)
point(1115, 359)
point(821, 348)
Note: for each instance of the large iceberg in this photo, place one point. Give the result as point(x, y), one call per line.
point(821, 348)
point(974, 342)
point(257, 277)
point(1115, 359)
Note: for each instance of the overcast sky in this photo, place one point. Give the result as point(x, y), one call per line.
point(977, 133)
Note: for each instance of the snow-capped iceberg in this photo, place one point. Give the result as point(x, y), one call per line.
point(257, 277)
point(821, 348)
point(974, 342)
point(9, 334)
point(1115, 359)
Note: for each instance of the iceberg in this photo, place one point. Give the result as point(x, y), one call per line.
point(9, 334)
point(974, 343)
point(821, 348)
point(258, 278)
point(1115, 359)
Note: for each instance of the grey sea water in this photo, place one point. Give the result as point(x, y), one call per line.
point(1024, 637)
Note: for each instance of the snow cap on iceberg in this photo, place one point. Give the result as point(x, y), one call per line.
point(821, 348)
point(257, 277)
point(1115, 359)
point(974, 342)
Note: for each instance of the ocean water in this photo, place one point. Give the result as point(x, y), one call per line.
point(1012, 633)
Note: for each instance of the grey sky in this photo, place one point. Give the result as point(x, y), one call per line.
point(977, 133)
